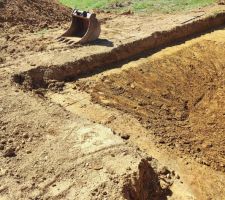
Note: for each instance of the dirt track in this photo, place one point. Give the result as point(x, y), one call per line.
point(98, 137)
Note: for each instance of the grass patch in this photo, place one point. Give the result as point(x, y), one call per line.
point(167, 6)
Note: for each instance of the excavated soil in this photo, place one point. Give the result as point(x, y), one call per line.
point(32, 14)
point(177, 95)
point(95, 138)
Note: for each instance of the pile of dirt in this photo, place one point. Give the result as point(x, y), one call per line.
point(29, 13)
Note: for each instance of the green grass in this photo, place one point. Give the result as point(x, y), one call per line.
point(138, 5)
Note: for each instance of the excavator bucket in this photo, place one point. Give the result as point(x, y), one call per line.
point(84, 28)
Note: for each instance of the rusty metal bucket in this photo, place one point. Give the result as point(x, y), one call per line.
point(85, 27)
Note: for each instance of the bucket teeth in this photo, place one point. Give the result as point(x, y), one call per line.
point(85, 26)
point(70, 42)
point(66, 40)
point(60, 39)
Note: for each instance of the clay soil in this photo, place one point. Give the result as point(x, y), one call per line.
point(179, 97)
point(152, 128)
point(170, 104)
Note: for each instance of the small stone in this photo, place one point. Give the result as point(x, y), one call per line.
point(125, 137)
point(16, 132)
point(177, 176)
point(10, 152)
point(7, 37)
point(210, 145)
point(107, 81)
point(105, 193)
point(10, 140)
point(59, 84)
point(164, 171)
point(132, 86)
point(161, 141)
point(128, 169)
point(17, 148)
point(28, 151)
point(168, 176)
point(36, 135)
point(25, 135)
point(93, 193)
point(2, 147)
point(3, 141)
point(98, 167)
point(173, 173)
point(222, 165)
point(1, 60)
point(149, 158)
point(164, 185)
point(3, 172)
point(12, 51)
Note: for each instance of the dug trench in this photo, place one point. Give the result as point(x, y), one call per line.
point(41, 76)
point(172, 101)
point(174, 97)
point(178, 97)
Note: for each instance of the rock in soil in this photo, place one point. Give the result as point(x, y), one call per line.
point(10, 152)
point(125, 137)
point(2, 147)
point(164, 171)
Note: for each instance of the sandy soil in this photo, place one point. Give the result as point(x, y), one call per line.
point(135, 106)
point(59, 144)
point(178, 96)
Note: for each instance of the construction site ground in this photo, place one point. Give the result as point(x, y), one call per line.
point(150, 126)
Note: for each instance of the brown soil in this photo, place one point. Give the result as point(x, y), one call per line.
point(127, 98)
point(55, 143)
point(180, 97)
point(128, 50)
point(32, 13)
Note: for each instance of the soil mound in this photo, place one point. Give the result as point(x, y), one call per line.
point(38, 13)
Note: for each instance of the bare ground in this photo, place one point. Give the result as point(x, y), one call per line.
point(61, 145)
point(179, 97)
point(152, 101)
